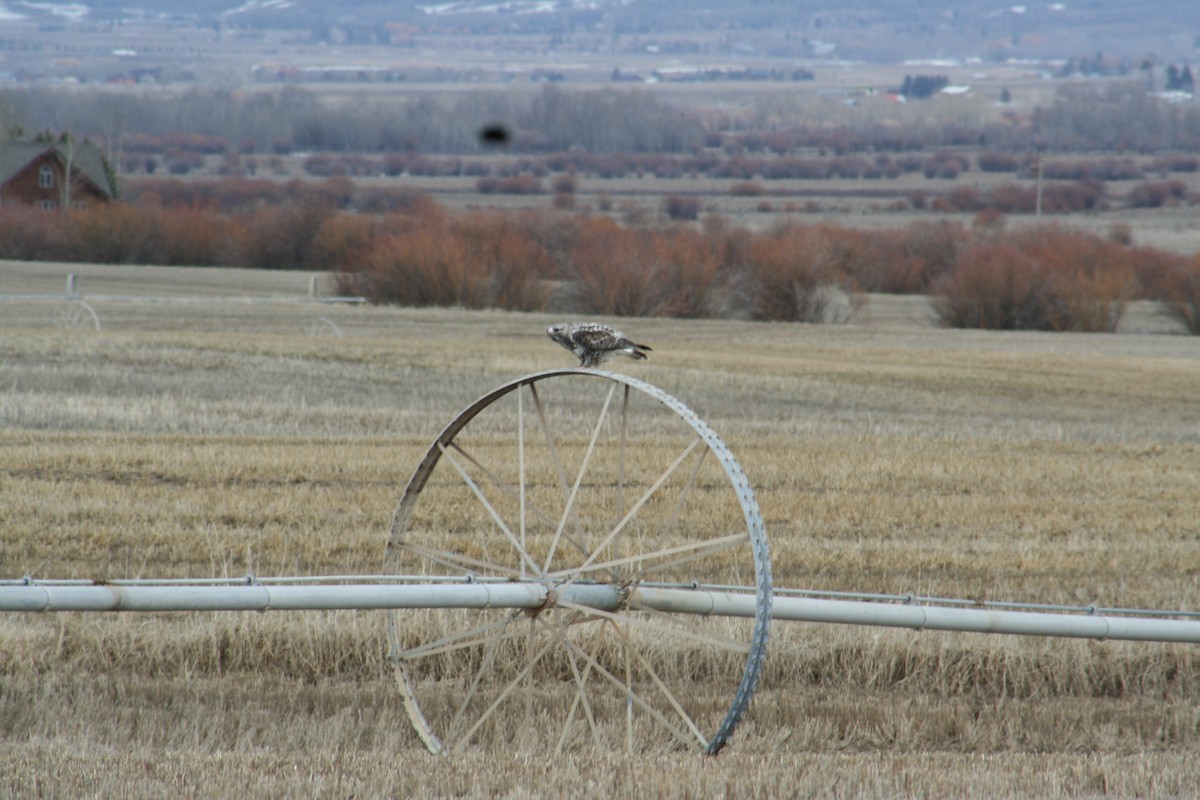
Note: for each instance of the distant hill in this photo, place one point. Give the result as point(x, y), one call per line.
point(856, 29)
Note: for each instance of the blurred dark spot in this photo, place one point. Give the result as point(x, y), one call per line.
point(494, 134)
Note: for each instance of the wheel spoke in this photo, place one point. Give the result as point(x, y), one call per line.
point(587, 457)
point(525, 558)
point(731, 645)
point(520, 495)
point(621, 454)
point(626, 687)
point(662, 687)
point(716, 546)
point(508, 689)
point(580, 699)
point(456, 561)
point(459, 640)
point(550, 445)
point(489, 655)
point(521, 471)
point(552, 448)
point(530, 633)
point(507, 489)
point(683, 494)
point(697, 551)
point(628, 702)
point(637, 506)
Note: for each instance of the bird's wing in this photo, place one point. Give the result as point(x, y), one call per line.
point(597, 337)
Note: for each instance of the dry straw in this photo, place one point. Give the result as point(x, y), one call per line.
point(887, 455)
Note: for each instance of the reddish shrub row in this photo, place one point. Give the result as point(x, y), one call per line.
point(1057, 198)
point(1044, 277)
point(1176, 163)
point(309, 237)
point(481, 261)
point(1041, 277)
point(241, 194)
point(1102, 169)
point(991, 161)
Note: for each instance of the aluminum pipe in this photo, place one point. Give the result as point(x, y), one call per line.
point(917, 617)
point(259, 597)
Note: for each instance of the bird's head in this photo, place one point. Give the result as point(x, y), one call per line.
point(557, 332)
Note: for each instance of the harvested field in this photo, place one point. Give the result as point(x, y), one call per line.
point(203, 438)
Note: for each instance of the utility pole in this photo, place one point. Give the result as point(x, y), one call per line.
point(1037, 173)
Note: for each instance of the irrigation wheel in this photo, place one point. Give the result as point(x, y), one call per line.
point(574, 477)
point(78, 314)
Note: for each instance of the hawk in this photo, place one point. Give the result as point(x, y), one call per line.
point(594, 342)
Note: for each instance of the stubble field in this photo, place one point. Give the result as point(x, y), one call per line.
point(206, 438)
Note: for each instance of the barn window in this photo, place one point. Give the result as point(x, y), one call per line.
point(46, 177)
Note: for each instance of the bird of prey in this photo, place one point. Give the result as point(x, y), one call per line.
point(593, 342)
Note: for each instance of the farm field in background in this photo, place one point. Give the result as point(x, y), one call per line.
point(197, 437)
point(640, 198)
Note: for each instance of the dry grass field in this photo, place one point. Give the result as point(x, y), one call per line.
point(204, 438)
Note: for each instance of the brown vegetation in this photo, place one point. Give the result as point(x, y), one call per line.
point(412, 252)
point(1040, 279)
point(885, 457)
point(1181, 294)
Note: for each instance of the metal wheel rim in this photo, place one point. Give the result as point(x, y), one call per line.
point(400, 553)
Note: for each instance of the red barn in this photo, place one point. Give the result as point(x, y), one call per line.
point(36, 173)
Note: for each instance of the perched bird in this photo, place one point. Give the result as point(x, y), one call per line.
point(594, 342)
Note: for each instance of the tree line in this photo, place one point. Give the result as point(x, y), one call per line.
point(1113, 117)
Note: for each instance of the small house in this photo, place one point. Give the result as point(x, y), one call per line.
point(54, 174)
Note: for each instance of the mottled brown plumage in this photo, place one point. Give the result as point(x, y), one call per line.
point(594, 342)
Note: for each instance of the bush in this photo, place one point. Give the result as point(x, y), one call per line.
point(28, 233)
point(565, 184)
point(1155, 194)
point(1177, 163)
point(1043, 278)
point(747, 189)
point(616, 271)
point(907, 260)
point(514, 265)
point(991, 161)
point(945, 164)
point(422, 268)
point(994, 287)
point(1105, 169)
point(681, 207)
point(513, 184)
point(961, 199)
point(1063, 198)
point(1180, 293)
point(181, 162)
point(114, 233)
point(283, 237)
point(790, 274)
point(190, 237)
point(478, 261)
